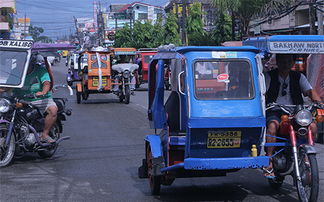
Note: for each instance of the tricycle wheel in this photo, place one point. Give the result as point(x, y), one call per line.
point(85, 96)
point(78, 94)
point(127, 94)
point(142, 170)
point(276, 182)
point(155, 181)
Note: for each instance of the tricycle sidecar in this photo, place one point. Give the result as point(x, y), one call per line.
point(213, 120)
point(95, 73)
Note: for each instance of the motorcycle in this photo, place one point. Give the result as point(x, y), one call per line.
point(125, 78)
point(21, 124)
point(295, 153)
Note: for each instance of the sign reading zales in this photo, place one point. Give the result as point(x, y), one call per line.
point(16, 44)
point(296, 47)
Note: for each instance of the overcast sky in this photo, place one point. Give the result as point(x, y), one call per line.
point(56, 16)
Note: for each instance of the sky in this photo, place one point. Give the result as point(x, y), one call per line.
point(56, 16)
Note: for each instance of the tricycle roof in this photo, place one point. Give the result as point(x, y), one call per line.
point(171, 52)
point(288, 44)
point(14, 61)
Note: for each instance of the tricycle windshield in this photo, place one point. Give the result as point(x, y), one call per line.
point(95, 64)
point(147, 58)
point(12, 67)
point(223, 80)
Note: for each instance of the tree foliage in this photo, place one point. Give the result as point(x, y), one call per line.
point(147, 35)
point(36, 32)
point(195, 25)
point(222, 31)
point(170, 30)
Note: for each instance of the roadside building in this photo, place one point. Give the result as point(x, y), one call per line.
point(121, 14)
point(296, 22)
point(21, 28)
point(7, 12)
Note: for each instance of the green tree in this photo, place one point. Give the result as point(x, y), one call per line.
point(222, 31)
point(123, 37)
point(170, 31)
point(195, 25)
point(158, 33)
point(143, 35)
point(35, 32)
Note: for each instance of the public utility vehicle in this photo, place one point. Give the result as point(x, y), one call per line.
point(213, 121)
point(21, 123)
point(143, 58)
point(123, 69)
point(95, 77)
point(295, 152)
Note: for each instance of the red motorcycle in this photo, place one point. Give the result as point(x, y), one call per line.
point(295, 153)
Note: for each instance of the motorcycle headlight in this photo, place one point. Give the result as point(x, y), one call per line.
point(4, 105)
point(126, 74)
point(304, 117)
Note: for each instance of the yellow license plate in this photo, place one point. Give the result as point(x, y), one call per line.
point(95, 81)
point(224, 139)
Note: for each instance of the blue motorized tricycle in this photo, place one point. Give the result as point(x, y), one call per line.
point(213, 121)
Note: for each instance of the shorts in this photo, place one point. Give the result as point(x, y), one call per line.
point(273, 115)
point(43, 104)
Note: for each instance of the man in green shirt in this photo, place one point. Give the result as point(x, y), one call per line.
point(38, 82)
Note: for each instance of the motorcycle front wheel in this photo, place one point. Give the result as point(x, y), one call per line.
point(127, 94)
point(308, 187)
point(6, 151)
point(50, 151)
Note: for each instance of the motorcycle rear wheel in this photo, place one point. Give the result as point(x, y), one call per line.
point(6, 152)
point(55, 135)
point(308, 187)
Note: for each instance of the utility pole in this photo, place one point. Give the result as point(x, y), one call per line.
point(183, 24)
point(312, 17)
point(320, 19)
point(25, 26)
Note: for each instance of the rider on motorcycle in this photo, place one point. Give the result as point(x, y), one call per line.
point(38, 82)
point(284, 87)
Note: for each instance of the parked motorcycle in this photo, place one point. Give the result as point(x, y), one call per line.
point(125, 78)
point(21, 124)
point(295, 152)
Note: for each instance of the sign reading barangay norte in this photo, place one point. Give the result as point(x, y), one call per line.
point(23, 44)
point(296, 47)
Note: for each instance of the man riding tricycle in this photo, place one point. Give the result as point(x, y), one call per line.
point(213, 121)
point(293, 109)
point(123, 69)
point(31, 120)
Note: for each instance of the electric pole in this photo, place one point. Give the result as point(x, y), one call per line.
point(320, 19)
point(312, 17)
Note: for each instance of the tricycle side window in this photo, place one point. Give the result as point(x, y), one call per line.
point(12, 67)
point(223, 80)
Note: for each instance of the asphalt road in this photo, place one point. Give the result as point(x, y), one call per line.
point(100, 163)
